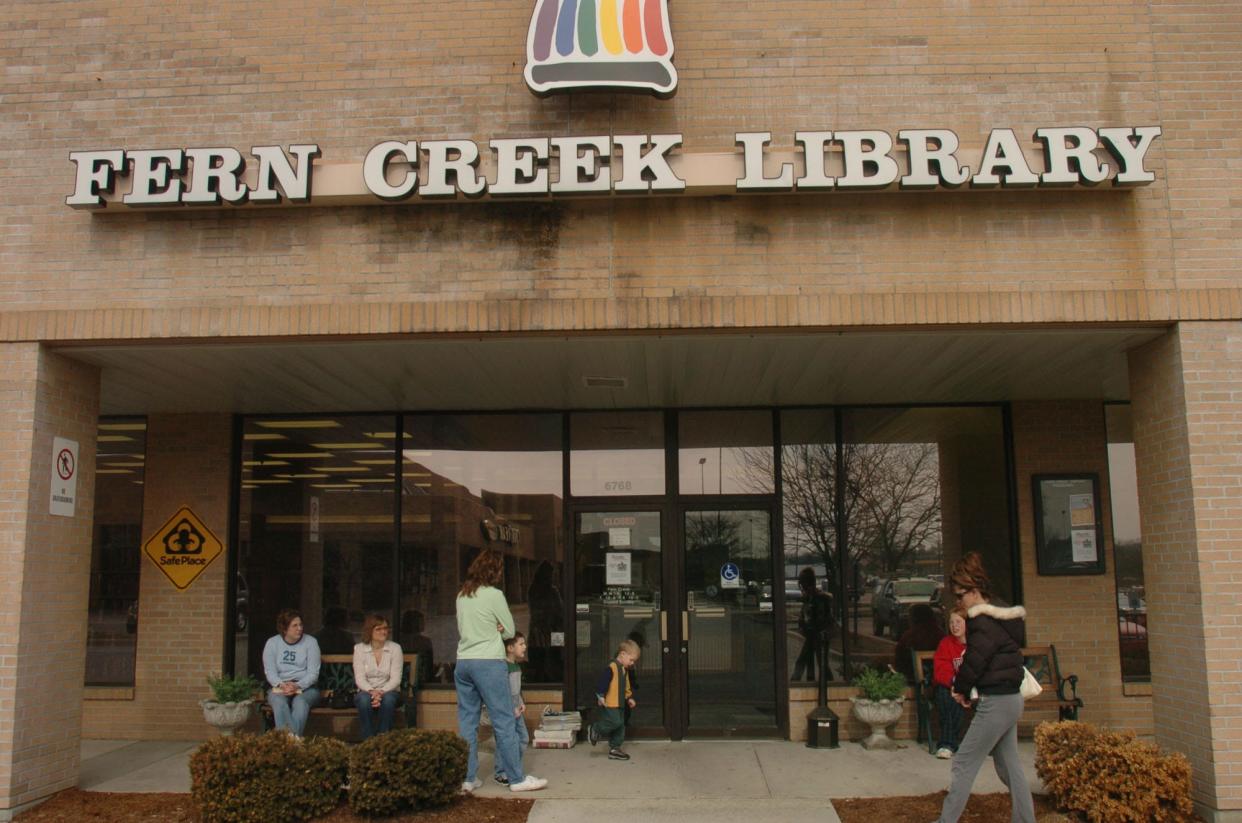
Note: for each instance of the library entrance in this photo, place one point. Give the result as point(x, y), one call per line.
point(692, 585)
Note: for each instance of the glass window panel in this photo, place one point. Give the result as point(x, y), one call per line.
point(616, 454)
point(116, 552)
point(316, 528)
point(725, 452)
point(475, 482)
point(808, 486)
point(1127, 545)
point(923, 487)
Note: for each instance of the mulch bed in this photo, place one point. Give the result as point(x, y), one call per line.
point(982, 808)
point(76, 806)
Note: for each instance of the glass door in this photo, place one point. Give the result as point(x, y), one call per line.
point(727, 626)
point(619, 582)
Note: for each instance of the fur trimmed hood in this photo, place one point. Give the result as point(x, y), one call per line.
point(997, 612)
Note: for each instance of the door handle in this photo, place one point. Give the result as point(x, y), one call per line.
point(663, 627)
point(685, 626)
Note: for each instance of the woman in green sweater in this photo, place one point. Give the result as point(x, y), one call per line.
point(482, 672)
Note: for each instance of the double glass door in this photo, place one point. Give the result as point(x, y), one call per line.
point(693, 587)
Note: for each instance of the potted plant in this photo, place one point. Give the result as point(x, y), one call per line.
point(880, 704)
point(232, 701)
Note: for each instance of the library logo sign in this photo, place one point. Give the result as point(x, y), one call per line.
point(622, 45)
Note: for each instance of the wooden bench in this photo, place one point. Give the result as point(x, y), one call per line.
point(336, 672)
point(1061, 692)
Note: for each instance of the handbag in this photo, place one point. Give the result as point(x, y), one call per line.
point(1030, 686)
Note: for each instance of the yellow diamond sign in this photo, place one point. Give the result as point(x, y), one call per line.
point(183, 547)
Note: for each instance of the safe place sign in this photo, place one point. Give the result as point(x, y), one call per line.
point(182, 548)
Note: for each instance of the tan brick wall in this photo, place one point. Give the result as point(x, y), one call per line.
point(180, 633)
point(131, 74)
point(44, 570)
point(1078, 614)
point(1186, 390)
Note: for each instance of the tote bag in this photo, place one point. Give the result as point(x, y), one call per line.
point(1030, 686)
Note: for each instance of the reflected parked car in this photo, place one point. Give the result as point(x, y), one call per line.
point(890, 609)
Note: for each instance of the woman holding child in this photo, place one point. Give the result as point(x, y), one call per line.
point(991, 664)
point(484, 622)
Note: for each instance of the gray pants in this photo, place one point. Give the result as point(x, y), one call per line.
point(994, 731)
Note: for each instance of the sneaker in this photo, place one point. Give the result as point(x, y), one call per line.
point(469, 786)
point(944, 753)
point(617, 754)
point(530, 784)
point(592, 735)
point(501, 779)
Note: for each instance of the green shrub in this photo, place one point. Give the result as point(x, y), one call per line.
point(1111, 776)
point(270, 778)
point(228, 689)
point(877, 685)
point(406, 770)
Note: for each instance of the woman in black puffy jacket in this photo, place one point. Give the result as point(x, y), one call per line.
point(991, 668)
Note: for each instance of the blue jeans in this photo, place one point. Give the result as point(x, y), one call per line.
point(523, 735)
point(486, 682)
point(950, 718)
point(367, 715)
point(291, 712)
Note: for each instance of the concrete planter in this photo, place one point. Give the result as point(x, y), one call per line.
point(227, 717)
point(879, 715)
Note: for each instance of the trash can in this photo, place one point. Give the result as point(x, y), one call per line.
point(823, 729)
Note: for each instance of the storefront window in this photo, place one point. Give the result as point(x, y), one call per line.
point(616, 454)
point(316, 529)
point(1127, 545)
point(725, 452)
point(116, 552)
point(923, 486)
point(475, 482)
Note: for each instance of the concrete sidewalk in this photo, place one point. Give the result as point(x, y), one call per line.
point(688, 782)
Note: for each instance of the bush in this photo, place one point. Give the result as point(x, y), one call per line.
point(270, 778)
point(406, 770)
point(877, 685)
point(1111, 776)
point(228, 689)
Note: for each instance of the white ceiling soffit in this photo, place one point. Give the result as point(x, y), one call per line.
point(658, 370)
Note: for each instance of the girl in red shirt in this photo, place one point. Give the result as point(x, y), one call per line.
point(948, 657)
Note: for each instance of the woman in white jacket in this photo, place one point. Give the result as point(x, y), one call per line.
point(377, 673)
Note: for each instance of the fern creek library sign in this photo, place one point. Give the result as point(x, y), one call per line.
point(411, 171)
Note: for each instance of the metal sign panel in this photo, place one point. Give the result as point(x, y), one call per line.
point(182, 548)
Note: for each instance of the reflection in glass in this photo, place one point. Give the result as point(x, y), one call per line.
point(619, 582)
point(116, 551)
point(616, 454)
point(922, 487)
point(1127, 545)
point(475, 482)
point(728, 586)
point(725, 452)
point(808, 483)
point(315, 527)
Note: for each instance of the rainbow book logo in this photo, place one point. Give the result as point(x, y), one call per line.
point(600, 44)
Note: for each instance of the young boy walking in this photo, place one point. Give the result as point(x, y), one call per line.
point(515, 655)
point(614, 694)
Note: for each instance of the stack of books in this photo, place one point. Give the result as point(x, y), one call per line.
point(557, 730)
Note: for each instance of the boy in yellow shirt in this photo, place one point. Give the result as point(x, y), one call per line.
point(613, 693)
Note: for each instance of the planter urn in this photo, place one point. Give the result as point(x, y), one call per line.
point(879, 715)
point(227, 717)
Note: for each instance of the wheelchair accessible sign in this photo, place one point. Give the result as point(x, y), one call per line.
point(183, 548)
point(730, 576)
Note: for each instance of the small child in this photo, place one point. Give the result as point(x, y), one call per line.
point(613, 693)
point(515, 654)
point(946, 662)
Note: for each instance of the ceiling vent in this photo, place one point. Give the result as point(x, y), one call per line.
point(605, 382)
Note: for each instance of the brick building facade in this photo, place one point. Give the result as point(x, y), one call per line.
point(1048, 303)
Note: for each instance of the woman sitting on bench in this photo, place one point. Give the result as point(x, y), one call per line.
point(291, 665)
point(377, 673)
